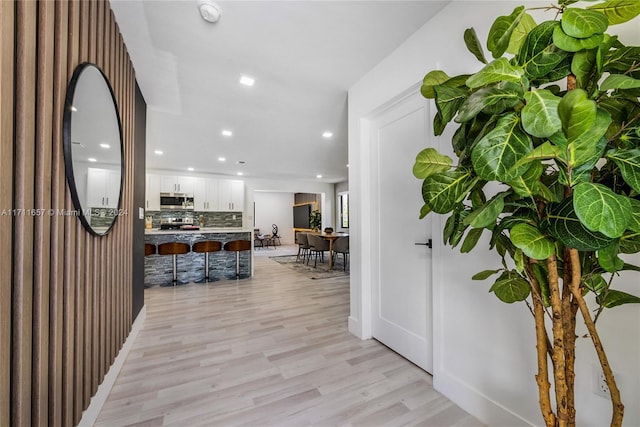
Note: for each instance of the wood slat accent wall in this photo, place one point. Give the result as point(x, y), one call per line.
point(65, 295)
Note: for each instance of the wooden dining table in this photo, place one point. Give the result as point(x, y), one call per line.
point(331, 237)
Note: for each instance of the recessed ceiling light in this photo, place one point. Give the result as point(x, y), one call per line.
point(318, 176)
point(74, 109)
point(227, 133)
point(222, 159)
point(158, 152)
point(247, 81)
point(209, 10)
point(327, 134)
point(92, 159)
point(190, 169)
point(103, 145)
point(240, 173)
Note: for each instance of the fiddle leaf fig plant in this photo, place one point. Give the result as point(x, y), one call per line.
point(547, 147)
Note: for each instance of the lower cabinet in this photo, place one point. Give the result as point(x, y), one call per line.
point(103, 188)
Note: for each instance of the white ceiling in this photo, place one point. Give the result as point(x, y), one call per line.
point(304, 56)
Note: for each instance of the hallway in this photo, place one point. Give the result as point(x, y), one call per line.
point(270, 350)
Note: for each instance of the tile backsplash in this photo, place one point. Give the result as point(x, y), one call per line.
point(211, 219)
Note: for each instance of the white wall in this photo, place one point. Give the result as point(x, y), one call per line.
point(484, 350)
point(275, 208)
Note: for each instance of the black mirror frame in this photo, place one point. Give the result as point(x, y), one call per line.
point(67, 145)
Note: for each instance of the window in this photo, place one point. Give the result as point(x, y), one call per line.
point(344, 209)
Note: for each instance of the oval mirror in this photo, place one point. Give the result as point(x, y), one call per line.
point(92, 140)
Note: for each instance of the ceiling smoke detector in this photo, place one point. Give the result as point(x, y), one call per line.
point(209, 10)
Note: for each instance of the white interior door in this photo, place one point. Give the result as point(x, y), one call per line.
point(401, 285)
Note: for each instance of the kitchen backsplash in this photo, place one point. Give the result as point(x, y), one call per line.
point(211, 219)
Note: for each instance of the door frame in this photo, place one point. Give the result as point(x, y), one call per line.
point(370, 222)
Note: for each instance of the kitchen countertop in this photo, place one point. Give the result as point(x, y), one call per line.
point(201, 230)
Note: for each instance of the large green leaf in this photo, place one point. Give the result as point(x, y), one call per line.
point(621, 59)
point(577, 113)
point(540, 115)
point(583, 23)
point(499, 70)
point(424, 211)
point(590, 146)
point(619, 81)
point(495, 156)
point(602, 210)
point(526, 24)
point(613, 298)
point(608, 258)
point(473, 45)
point(433, 78)
point(538, 55)
point(573, 44)
point(487, 214)
point(501, 30)
point(629, 163)
point(448, 100)
point(634, 224)
point(485, 274)
point(532, 241)
point(544, 151)
point(529, 183)
point(583, 66)
point(618, 11)
point(429, 161)
point(471, 240)
point(510, 287)
point(443, 191)
point(492, 100)
point(563, 224)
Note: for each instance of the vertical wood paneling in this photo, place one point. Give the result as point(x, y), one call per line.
point(42, 221)
point(70, 306)
point(25, 119)
point(57, 325)
point(7, 15)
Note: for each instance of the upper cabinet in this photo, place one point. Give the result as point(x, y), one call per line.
point(231, 195)
point(205, 194)
point(103, 188)
point(152, 193)
point(209, 194)
point(177, 184)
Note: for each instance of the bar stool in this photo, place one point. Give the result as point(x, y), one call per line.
point(206, 247)
point(149, 249)
point(237, 246)
point(174, 249)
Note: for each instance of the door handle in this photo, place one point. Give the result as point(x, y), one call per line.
point(428, 243)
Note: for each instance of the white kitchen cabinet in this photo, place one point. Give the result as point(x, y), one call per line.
point(177, 184)
point(230, 195)
point(152, 193)
point(103, 188)
point(205, 195)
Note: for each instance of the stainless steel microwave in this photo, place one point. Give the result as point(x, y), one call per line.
point(176, 201)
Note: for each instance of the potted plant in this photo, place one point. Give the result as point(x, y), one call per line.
point(548, 165)
point(315, 220)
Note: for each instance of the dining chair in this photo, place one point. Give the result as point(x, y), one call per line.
point(341, 246)
point(317, 246)
point(303, 246)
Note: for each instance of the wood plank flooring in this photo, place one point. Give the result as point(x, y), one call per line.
point(273, 350)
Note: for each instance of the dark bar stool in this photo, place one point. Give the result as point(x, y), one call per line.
point(149, 249)
point(206, 247)
point(174, 249)
point(237, 246)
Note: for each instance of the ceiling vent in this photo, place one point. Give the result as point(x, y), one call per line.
point(209, 10)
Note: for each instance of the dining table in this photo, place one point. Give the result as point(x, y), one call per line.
point(331, 237)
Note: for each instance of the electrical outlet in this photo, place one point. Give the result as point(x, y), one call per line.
point(600, 386)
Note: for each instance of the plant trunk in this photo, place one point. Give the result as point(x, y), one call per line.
point(569, 311)
point(542, 377)
point(616, 402)
point(558, 354)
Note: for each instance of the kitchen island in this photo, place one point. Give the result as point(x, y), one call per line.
point(222, 265)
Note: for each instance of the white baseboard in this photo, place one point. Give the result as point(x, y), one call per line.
point(477, 404)
point(90, 415)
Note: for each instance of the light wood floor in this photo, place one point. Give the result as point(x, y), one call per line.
point(272, 350)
